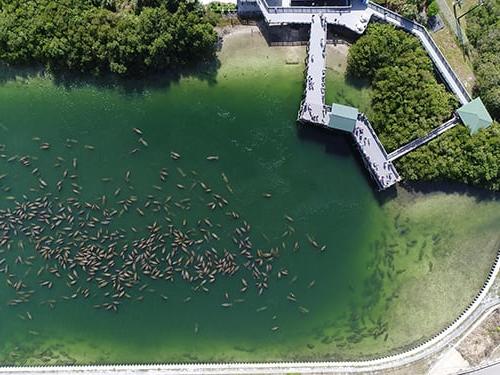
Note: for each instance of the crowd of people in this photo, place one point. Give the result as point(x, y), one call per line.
point(382, 169)
point(316, 112)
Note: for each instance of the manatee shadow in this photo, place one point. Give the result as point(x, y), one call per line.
point(131, 85)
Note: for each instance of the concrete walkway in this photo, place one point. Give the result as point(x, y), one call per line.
point(440, 62)
point(312, 108)
point(450, 363)
point(374, 155)
point(356, 19)
point(350, 17)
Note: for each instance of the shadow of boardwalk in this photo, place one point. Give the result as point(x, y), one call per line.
point(340, 144)
point(135, 85)
point(298, 34)
point(332, 142)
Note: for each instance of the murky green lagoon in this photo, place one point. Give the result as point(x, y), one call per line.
point(330, 269)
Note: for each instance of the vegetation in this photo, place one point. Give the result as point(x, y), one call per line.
point(417, 10)
point(432, 9)
point(407, 102)
point(222, 8)
point(483, 31)
point(119, 36)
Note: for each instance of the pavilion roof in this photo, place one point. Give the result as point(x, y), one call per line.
point(343, 117)
point(475, 115)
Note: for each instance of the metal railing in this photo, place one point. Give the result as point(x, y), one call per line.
point(309, 10)
point(412, 25)
point(374, 135)
point(409, 147)
point(300, 9)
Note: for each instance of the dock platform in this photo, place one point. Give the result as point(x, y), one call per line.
point(356, 16)
point(375, 157)
point(312, 108)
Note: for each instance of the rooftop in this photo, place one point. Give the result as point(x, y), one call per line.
point(475, 115)
point(343, 117)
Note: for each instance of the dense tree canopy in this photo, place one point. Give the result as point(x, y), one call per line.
point(120, 36)
point(483, 31)
point(407, 102)
point(413, 9)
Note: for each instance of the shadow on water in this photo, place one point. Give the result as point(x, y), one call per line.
point(451, 187)
point(340, 144)
point(333, 142)
point(205, 71)
point(299, 33)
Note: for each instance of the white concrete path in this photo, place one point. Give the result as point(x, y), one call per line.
point(356, 19)
point(382, 170)
point(430, 46)
point(350, 17)
point(450, 363)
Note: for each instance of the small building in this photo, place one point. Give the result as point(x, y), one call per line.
point(474, 115)
point(343, 117)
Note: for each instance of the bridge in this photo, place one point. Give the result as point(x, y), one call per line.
point(423, 140)
point(355, 16)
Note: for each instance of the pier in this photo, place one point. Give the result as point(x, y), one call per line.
point(355, 16)
point(374, 155)
point(312, 108)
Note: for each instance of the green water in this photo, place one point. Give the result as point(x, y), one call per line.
point(346, 298)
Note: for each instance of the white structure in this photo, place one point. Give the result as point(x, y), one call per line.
point(355, 17)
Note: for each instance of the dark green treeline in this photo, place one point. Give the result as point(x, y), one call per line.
point(483, 31)
point(119, 36)
point(407, 102)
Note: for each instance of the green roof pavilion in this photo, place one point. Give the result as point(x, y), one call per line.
point(343, 117)
point(475, 115)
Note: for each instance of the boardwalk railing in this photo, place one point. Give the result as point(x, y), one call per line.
point(403, 150)
point(380, 145)
point(422, 33)
point(311, 10)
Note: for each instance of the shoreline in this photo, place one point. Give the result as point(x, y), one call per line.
point(281, 58)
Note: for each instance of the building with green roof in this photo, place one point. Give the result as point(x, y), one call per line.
point(474, 115)
point(343, 117)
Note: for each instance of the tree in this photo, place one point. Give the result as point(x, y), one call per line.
point(407, 102)
point(91, 36)
point(432, 9)
point(483, 31)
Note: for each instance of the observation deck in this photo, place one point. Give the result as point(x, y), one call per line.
point(355, 16)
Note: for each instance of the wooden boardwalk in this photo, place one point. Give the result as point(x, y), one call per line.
point(313, 109)
point(423, 140)
point(375, 157)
